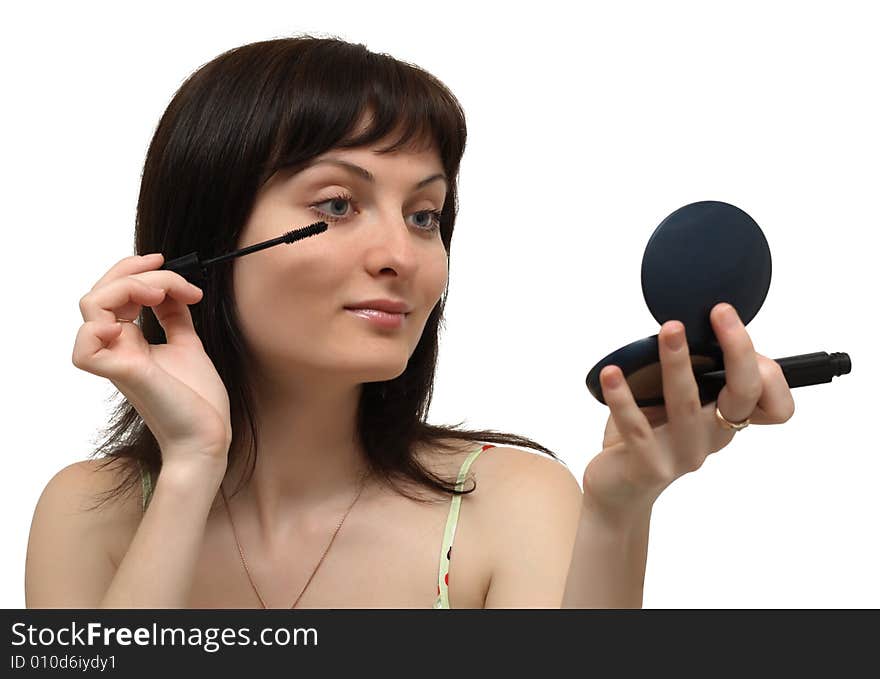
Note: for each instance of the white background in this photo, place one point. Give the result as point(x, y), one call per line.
point(585, 131)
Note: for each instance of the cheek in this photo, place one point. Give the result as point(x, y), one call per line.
point(436, 278)
point(278, 300)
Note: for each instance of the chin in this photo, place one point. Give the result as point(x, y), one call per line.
point(376, 369)
point(385, 373)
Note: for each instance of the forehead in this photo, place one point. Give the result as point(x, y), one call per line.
point(418, 158)
point(419, 166)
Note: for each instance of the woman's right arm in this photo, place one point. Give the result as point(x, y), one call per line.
point(69, 562)
point(158, 568)
point(177, 391)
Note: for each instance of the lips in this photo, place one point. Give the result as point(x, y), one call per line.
point(376, 313)
point(380, 319)
point(387, 305)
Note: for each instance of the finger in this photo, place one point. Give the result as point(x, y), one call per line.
point(120, 298)
point(124, 297)
point(680, 394)
point(91, 337)
point(631, 423)
point(164, 278)
point(776, 403)
point(176, 321)
point(743, 386)
point(131, 265)
point(173, 313)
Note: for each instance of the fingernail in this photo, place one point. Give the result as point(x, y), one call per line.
point(675, 341)
point(729, 317)
point(613, 378)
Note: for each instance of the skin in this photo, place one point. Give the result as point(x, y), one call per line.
point(313, 355)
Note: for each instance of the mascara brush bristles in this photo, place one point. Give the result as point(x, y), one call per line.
point(305, 232)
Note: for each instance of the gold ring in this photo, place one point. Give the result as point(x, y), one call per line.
point(727, 424)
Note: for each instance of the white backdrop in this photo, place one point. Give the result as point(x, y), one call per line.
point(585, 131)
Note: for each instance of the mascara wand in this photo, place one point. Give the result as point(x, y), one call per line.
point(195, 271)
point(799, 371)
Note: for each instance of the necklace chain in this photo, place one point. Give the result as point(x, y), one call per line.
point(326, 549)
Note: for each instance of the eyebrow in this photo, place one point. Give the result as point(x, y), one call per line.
point(366, 174)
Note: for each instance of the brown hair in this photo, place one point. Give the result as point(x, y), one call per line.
point(230, 126)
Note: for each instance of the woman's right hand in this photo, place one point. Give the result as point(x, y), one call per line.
point(174, 386)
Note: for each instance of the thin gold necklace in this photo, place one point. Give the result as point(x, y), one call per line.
point(327, 549)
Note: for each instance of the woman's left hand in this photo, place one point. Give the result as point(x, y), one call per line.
point(646, 449)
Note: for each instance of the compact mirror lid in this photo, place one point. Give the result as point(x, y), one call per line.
point(702, 254)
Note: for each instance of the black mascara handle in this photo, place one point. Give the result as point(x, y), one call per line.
point(799, 371)
point(190, 267)
point(816, 368)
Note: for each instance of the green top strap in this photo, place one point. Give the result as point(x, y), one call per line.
point(146, 486)
point(449, 533)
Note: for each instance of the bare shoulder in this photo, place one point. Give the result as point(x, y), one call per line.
point(506, 475)
point(528, 517)
point(72, 502)
point(80, 485)
point(71, 543)
point(82, 492)
point(519, 478)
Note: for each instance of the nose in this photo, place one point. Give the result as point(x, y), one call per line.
point(391, 244)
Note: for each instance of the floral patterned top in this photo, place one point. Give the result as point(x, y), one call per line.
point(442, 600)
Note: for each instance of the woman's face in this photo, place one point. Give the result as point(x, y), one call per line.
point(382, 242)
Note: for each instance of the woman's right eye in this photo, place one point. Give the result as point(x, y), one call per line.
point(332, 216)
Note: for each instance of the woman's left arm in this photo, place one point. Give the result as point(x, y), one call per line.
point(646, 449)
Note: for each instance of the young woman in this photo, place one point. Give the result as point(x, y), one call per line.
point(272, 448)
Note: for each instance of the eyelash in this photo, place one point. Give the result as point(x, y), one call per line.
point(435, 214)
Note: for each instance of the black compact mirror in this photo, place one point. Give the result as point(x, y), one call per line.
point(700, 255)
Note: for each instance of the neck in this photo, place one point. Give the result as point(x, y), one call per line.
point(309, 460)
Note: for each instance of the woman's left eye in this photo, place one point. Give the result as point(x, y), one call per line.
point(433, 215)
